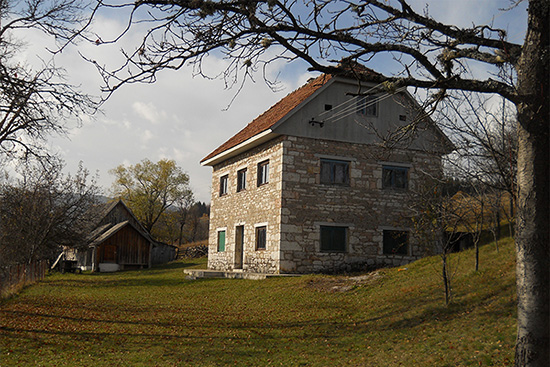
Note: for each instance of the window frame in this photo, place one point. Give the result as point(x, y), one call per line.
point(223, 246)
point(331, 248)
point(263, 173)
point(386, 245)
point(241, 180)
point(363, 109)
point(392, 169)
point(333, 164)
point(260, 240)
point(224, 185)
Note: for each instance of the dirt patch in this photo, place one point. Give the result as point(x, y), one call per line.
point(334, 284)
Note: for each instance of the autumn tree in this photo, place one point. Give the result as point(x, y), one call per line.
point(196, 228)
point(35, 100)
point(432, 55)
point(171, 224)
point(485, 140)
point(437, 218)
point(149, 189)
point(43, 210)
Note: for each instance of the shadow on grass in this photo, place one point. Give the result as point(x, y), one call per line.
point(199, 327)
point(158, 275)
point(117, 282)
point(438, 312)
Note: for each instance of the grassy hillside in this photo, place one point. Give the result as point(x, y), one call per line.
point(393, 317)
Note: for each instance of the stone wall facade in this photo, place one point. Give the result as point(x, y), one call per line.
point(255, 206)
point(294, 205)
point(363, 206)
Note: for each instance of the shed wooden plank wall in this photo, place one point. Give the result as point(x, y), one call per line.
point(131, 247)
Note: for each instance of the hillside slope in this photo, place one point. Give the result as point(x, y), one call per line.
point(393, 317)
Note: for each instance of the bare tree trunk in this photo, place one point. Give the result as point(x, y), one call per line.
point(180, 235)
point(496, 229)
point(478, 237)
point(532, 233)
point(446, 279)
point(181, 227)
point(497, 223)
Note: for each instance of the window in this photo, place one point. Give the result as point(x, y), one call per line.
point(241, 180)
point(223, 185)
point(333, 239)
point(263, 173)
point(396, 242)
point(261, 237)
point(221, 241)
point(395, 177)
point(334, 172)
point(367, 105)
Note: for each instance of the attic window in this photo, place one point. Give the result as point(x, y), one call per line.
point(367, 105)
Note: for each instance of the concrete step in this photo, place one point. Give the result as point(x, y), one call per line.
point(238, 274)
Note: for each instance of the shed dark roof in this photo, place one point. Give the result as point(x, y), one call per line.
point(110, 229)
point(108, 232)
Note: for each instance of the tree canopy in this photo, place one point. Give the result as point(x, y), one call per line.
point(44, 210)
point(149, 189)
point(36, 100)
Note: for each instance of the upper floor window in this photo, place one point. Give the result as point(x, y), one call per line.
point(241, 180)
point(396, 242)
point(333, 239)
point(395, 177)
point(334, 172)
point(367, 105)
point(223, 185)
point(263, 172)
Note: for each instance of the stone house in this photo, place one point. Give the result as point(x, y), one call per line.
point(312, 184)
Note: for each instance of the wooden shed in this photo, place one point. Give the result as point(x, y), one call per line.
point(117, 241)
point(120, 247)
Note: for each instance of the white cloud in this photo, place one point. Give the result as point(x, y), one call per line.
point(182, 117)
point(149, 112)
point(146, 136)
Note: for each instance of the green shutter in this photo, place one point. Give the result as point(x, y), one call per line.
point(221, 241)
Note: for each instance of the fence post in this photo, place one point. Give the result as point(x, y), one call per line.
point(15, 277)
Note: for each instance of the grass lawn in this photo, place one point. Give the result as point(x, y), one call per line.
point(157, 318)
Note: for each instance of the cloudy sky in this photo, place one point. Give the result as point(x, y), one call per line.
point(184, 118)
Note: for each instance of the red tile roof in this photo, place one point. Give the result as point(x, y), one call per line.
point(272, 115)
